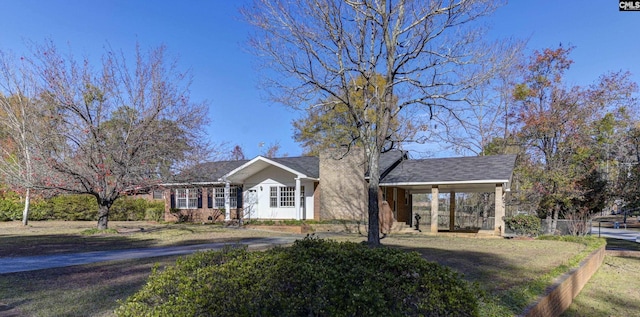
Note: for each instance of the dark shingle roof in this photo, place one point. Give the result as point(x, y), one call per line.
point(394, 168)
point(308, 165)
point(208, 172)
point(457, 169)
point(388, 160)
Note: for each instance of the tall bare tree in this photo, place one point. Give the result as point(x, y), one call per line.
point(485, 117)
point(18, 121)
point(428, 53)
point(115, 128)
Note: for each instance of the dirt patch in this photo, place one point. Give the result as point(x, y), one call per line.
point(288, 229)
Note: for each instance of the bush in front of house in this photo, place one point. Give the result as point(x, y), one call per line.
point(524, 225)
point(10, 209)
point(80, 207)
point(313, 277)
point(130, 209)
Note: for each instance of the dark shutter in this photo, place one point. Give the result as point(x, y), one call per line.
point(199, 197)
point(239, 197)
point(209, 198)
point(173, 199)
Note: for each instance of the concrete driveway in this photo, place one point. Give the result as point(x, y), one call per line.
point(39, 262)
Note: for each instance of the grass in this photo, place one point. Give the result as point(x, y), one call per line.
point(613, 291)
point(52, 237)
point(512, 272)
point(85, 290)
point(504, 268)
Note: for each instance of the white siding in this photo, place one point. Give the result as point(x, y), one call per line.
point(261, 183)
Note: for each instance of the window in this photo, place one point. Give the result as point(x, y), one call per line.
point(158, 194)
point(233, 197)
point(284, 196)
point(219, 197)
point(287, 196)
point(186, 198)
point(273, 197)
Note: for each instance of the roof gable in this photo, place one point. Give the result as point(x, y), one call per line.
point(302, 166)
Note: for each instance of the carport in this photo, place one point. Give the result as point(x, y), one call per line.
point(481, 174)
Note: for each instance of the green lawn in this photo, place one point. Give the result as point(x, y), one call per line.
point(613, 291)
point(505, 268)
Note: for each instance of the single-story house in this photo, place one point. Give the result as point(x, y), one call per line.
point(333, 186)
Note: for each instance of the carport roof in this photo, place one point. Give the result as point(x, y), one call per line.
point(468, 172)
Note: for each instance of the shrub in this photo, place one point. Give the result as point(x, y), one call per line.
point(81, 207)
point(311, 278)
point(73, 207)
point(10, 209)
point(525, 225)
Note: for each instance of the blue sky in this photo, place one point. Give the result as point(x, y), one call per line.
point(207, 37)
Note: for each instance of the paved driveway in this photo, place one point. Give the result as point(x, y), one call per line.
point(39, 262)
point(622, 233)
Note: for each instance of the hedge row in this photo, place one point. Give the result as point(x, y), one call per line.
point(313, 277)
point(80, 207)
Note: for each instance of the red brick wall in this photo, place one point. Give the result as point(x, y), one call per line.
point(559, 298)
point(199, 214)
point(316, 201)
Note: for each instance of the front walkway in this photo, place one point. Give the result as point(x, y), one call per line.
point(39, 262)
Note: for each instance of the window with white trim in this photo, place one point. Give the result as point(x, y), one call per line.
point(287, 196)
point(218, 201)
point(219, 197)
point(284, 196)
point(273, 197)
point(186, 198)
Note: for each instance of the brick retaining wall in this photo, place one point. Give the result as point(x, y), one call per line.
point(561, 294)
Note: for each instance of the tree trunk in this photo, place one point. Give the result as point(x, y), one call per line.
point(25, 211)
point(103, 214)
point(373, 237)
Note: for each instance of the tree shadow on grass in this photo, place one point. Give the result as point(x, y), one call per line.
point(495, 274)
point(613, 291)
point(86, 290)
point(14, 245)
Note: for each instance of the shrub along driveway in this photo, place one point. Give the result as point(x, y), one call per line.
point(497, 264)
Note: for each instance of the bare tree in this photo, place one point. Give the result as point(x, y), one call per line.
point(273, 150)
point(18, 121)
point(116, 128)
point(485, 118)
point(237, 153)
point(428, 53)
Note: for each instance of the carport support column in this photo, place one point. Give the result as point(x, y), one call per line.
point(499, 212)
point(296, 199)
point(434, 209)
point(452, 211)
point(227, 201)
